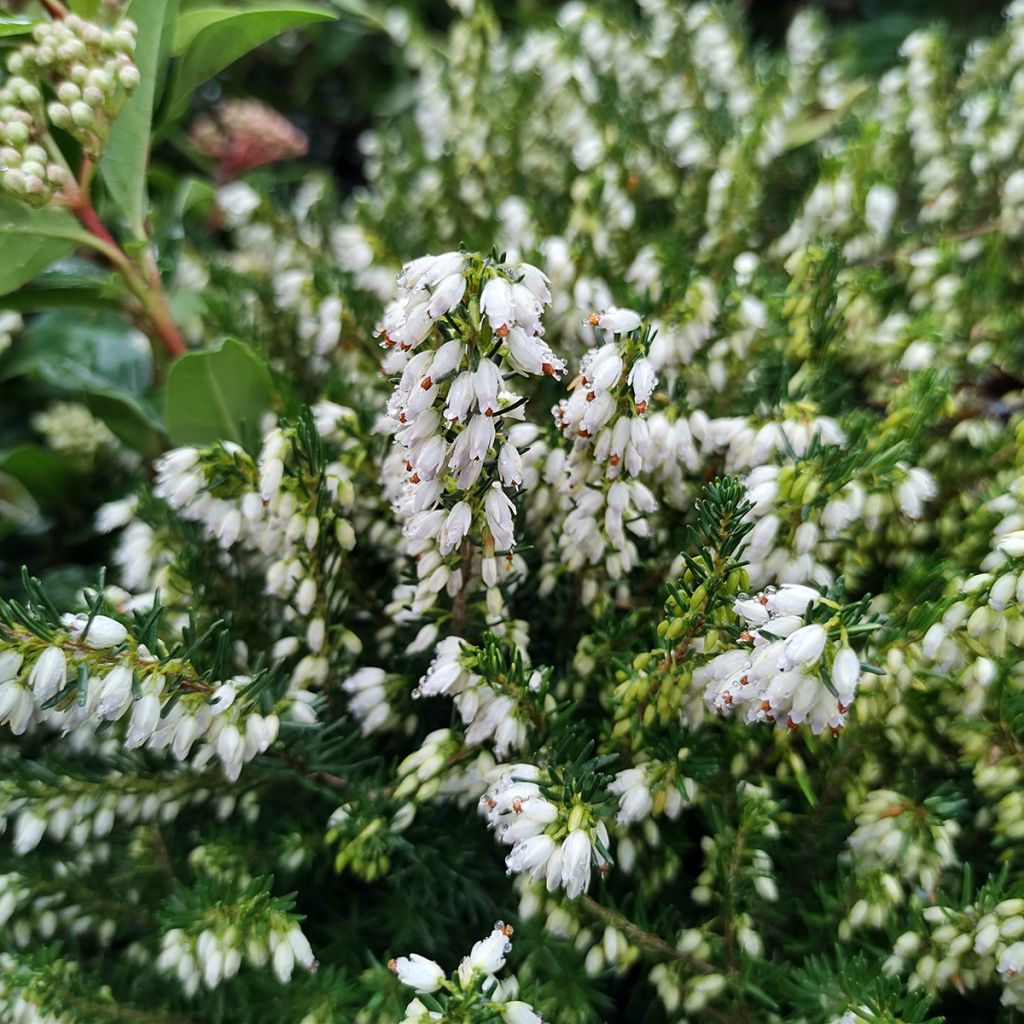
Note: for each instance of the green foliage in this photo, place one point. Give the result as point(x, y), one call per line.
point(32, 240)
point(220, 394)
point(208, 39)
point(126, 157)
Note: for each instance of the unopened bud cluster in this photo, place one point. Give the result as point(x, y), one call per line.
point(89, 73)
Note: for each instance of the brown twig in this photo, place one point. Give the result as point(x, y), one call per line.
point(644, 939)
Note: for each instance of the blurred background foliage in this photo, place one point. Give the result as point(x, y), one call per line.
point(335, 79)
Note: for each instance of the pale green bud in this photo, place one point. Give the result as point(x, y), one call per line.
point(123, 41)
point(100, 79)
point(129, 77)
point(59, 115)
point(73, 49)
point(30, 95)
point(82, 115)
point(68, 92)
point(17, 133)
point(14, 181)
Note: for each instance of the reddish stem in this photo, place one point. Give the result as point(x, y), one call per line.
point(150, 294)
point(92, 223)
point(55, 8)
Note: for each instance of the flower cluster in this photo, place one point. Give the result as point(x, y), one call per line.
point(597, 479)
point(788, 671)
point(90, 672)
point(550, 838)
point(473, 993)
point(456, 453)
point(90, 72)
point(212, 951)
point(243, 134)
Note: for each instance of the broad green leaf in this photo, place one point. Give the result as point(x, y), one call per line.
point(12, 26)
point(134, 420)
point(78, 351)
point(126, 156)
point(67, 284)
point(101, 360)
point(208, 39)
point(17, 506)
point(46, 475)
point(218, 395)
point(32, 239)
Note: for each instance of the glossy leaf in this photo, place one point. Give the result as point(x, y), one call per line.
point(32, 239)
point(218, 395)
point(14, 26)
point(126, 157)
point(76, 351)
point(208, 39)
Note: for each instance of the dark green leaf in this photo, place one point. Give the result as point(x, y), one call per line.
point(45, 474)
point(208, 39)
point(81, 352)
point(218, 395)
point(17, 506)
point(102, 360)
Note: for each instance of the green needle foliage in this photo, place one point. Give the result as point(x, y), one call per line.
point(574, 576)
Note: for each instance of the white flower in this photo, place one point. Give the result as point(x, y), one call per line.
point(144, 720)
point(456, 526)
point(488, 955)
point(16, 705)
point(510, 465)
point(1011, 963)
point(446, 296)
point(792, 599)
point(918, 488)
point(28, 832)
point(496, 304)
point(115, 693)
point(48, 674)
point(634, 796)
point(419, 973)
point(846, 675)
point(531, 854)
point(1012, 543)
point(615, 319)
point(803, 647)
point(103, 631)
point(500, 512)
point(518, 1012)
point(575, 863)
point(643, 380)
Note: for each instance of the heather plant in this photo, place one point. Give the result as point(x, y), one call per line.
point(575, 575)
